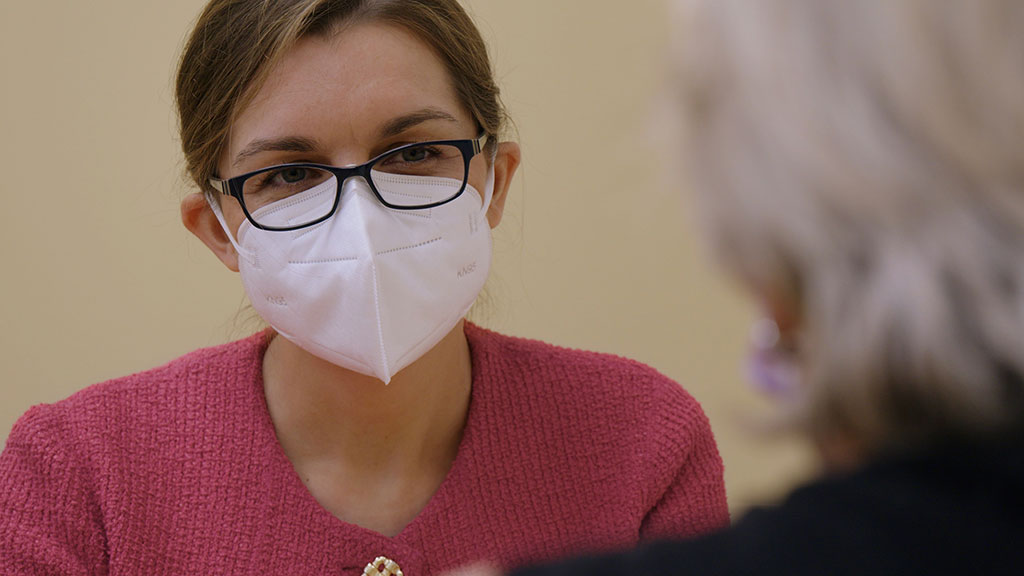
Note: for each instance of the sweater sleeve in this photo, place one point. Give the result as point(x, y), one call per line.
point(50, 520)
point(694, 503)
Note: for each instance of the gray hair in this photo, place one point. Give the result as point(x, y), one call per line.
point(867, 158)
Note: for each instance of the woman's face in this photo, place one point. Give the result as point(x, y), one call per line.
point(344, 99)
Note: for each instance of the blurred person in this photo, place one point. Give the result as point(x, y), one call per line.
point(859, 167)
point(350, 166)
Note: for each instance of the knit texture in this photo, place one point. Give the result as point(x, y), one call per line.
point(178, 471)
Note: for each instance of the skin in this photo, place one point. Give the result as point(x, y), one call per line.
point(338, 93)
point(838, 451)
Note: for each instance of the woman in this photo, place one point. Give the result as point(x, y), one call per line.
point(349, 168)
point(860, 168)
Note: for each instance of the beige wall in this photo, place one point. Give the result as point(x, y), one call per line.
point(100, 278)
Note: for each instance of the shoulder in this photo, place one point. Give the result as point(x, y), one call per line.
point(199, 371)
point(569, 368)
point(583, 378)
point(609, 411)
point(173, 393)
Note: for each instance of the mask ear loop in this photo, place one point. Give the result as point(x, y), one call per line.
point(215, 206)
point(488, 187)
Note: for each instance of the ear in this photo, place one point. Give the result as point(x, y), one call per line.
point(784, 311)
point(506, 162)
point(199, 218)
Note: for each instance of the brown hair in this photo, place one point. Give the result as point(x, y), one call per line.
point(235, 44)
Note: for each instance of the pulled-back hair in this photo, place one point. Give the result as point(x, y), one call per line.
point(236, 43)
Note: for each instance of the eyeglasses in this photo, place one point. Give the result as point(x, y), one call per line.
point(411, 177)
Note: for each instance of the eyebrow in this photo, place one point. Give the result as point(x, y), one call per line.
point(398, 125)
point(289, 144)
point(391, 128)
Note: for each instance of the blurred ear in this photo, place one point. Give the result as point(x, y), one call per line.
point(506, 162)
point(199, 218)
point(784, 311)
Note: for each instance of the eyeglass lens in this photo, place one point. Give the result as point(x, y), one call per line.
point(410, 177)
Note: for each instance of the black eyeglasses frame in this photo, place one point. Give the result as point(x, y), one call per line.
point(233, 187)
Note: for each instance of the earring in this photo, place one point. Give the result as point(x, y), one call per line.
point(772, 366)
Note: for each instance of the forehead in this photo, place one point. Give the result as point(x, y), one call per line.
point(342, 87)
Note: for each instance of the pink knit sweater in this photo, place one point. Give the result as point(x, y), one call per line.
point(177, 471)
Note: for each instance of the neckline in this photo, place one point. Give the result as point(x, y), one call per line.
point(293, 482)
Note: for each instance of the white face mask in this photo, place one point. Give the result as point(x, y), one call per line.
point(370, 289)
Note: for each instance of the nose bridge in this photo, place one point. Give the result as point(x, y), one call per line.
point(350, 173)
point(353, 181)
point(355, 194)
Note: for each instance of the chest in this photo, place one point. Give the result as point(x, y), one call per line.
point(381, 503)
point(257, 525)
